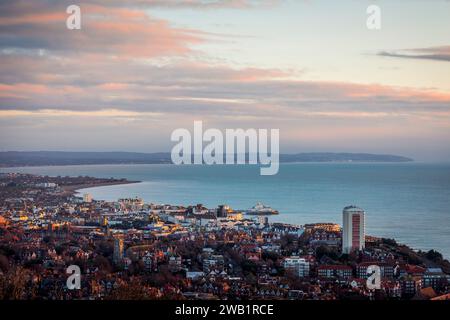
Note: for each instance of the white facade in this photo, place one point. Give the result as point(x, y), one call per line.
point(87, 198)
point(297, 265)
point(353, 231)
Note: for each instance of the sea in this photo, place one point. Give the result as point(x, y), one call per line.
point(409, 202)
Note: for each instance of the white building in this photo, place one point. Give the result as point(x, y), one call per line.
point(46, 185)
point(353, 231)
point(87, 198)
point(298, 266)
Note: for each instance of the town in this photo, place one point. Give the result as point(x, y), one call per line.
point(132, 250)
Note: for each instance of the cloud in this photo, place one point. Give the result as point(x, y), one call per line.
point(129, 78)
point(184, 87)
point(106, 30)
point(116, 28)
point(432, 53)
point(11, 8)
point(197, 4)
point(52, 113)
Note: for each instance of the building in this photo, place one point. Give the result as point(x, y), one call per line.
point(263, 220)
point(411, 285)
point(175, 263)
point(194, 275)
point(87, 198)
point(335, 271)
point(296, 265)
point(353, 232)
point(386, 269)
point(118, 250)
point(410, 270)
point(325, 226)
point(323, 237)
point(147, 259)
point(411, 279)
point(213, 262)
point(435, 278)
point(46, 185)
point(222, 211)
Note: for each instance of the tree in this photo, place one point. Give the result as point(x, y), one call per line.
point(326, 251)
point(13, 286)
point(434, 256)
point(102, 263)
point(132, 291)
point(4, 263)
point(105, 248)
point(390, 242)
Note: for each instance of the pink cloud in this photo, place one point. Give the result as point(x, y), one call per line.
point(106, 30)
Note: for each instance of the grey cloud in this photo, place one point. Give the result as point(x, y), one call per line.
point(44, 66)
point(16, 7)
point(433, 53)
point(190, 89)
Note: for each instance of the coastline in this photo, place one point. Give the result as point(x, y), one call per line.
point(402, 249)
point(98, 226)
point(74, 189)
point(160, 191)
point(12, 166)
point(61, 158)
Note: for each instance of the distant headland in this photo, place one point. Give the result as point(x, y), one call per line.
point(48, 158)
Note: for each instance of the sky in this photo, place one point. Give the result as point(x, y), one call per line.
point(137, 70)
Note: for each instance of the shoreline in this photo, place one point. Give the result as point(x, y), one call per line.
point(416, 249)
point(74, 189)
point(400, 247)
point(6, 166)
point(77, 188)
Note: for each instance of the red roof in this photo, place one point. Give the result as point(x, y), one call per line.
point(409, 268)
point(376, 263)
point(334, 267)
